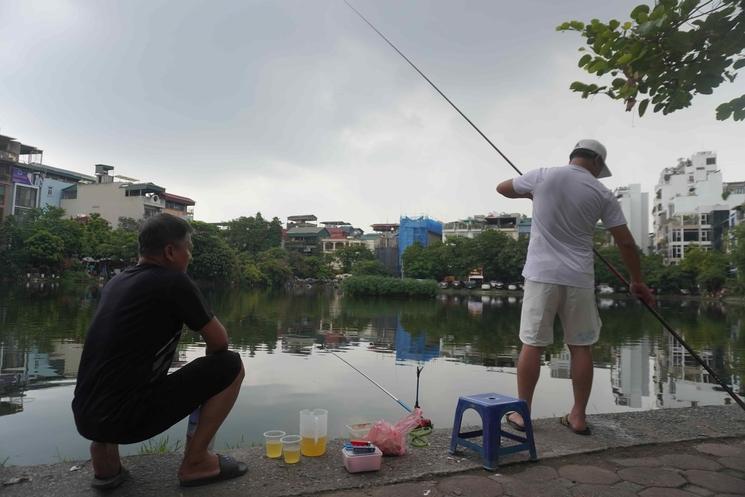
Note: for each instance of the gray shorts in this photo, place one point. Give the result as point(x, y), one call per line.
point(576, 307)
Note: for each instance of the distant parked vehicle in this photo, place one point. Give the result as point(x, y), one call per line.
point(605, 289)
point(497, 284)
point(685, 291)
point(443, 284)
point(457, 284)
point(471, 285)
point(512, 286)
point(486, 286)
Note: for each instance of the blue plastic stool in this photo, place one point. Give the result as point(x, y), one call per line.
point(492, 407)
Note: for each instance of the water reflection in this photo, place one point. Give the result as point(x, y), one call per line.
point(638, 364)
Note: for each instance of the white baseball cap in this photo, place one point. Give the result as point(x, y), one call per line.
point(598, 148)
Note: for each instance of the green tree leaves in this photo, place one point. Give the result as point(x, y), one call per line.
point(666, 55)
point(500, 256)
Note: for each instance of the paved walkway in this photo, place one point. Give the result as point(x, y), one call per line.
point(688, 469)
point(627, 454)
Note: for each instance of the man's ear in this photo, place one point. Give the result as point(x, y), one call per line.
point(168, 252)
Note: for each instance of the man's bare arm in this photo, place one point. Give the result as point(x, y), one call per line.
point(507, 188)
point(627, 246)
point(215, 336)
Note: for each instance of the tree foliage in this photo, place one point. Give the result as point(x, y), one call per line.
point(253, 234)
point(665, 55)
point(500, 256)
point(212, 257)
point(346, 257)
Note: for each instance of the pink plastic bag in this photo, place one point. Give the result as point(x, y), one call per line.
point(391, 439)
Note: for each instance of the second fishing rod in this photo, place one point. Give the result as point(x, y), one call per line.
point(623, 280)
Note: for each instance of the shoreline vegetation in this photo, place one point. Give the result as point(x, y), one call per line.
point(249, 252)
point(383, 286)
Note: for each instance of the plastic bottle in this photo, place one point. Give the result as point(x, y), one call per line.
point(192, 427)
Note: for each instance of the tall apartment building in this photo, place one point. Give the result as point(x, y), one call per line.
point(635, 206)
point(689, 206)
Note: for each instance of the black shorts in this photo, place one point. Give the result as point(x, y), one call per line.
point(169, 400)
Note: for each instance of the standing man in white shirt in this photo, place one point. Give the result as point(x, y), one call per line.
point(559, 274)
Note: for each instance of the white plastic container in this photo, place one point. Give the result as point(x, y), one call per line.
point(358, 463)
point(359, 431)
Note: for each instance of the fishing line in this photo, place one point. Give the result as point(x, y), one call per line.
point(603, 259)
point(389, 394)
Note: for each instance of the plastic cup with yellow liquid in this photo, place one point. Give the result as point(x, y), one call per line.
point(313, 430)
point(291, 448)
point(273, 443)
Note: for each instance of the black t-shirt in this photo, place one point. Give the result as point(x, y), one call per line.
point(133, 337)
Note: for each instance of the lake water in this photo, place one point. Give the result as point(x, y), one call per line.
point(467, 344)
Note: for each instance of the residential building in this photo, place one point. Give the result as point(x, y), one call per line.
point(19, 190)
point(688, 207)
point(305, 220)
point(386, 246)
point(113, 199)
point(341, 234)
point(511, 224)
point(178, 206)
point(51, 181)
point(306, 239)
point(635, 206)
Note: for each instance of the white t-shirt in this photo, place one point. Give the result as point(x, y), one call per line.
point(567, 203)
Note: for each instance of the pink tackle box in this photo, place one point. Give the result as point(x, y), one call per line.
point(358, 463)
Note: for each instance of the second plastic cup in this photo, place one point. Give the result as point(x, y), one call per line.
point(273, 443)
point(291, 448)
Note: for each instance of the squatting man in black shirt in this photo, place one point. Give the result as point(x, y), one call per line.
point(124, 393)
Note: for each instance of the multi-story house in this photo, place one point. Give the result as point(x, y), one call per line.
point(689, 202)
point(113, 199)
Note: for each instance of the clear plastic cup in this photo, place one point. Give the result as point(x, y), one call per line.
point(291, 448)
point(273, 443)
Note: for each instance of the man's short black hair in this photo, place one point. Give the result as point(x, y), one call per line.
point(583, 153)
point(161, 230)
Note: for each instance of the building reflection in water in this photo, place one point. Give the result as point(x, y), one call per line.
point(28, 369)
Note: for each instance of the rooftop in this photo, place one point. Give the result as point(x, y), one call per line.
point(299, 231)
point(44, 168)
point(178, 199)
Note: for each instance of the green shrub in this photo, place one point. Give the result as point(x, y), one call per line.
point(358, 286)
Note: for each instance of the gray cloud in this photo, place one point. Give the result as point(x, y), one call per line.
point(296, 106)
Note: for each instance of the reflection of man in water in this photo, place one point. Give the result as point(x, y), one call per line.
point(559, 271)
point(124, 393)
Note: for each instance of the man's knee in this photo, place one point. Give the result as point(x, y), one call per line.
point(232, 364)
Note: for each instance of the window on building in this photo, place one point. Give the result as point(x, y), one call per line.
point(711, 160)
point(50, 191)
point(5, 173)
point(676, 235)
point(690, 235)
point(705, 235)
point(690, 179)
point(2, 201)
point(677, 251)
point(704, 219)
point(151, 211)
point(26, 197)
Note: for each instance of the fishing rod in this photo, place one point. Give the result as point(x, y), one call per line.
point(389, 394)
point(654, 312)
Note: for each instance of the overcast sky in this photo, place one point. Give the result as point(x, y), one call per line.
point(295, 106)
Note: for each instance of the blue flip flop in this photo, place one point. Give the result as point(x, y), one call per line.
point(229, 468)
point(111, 482)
